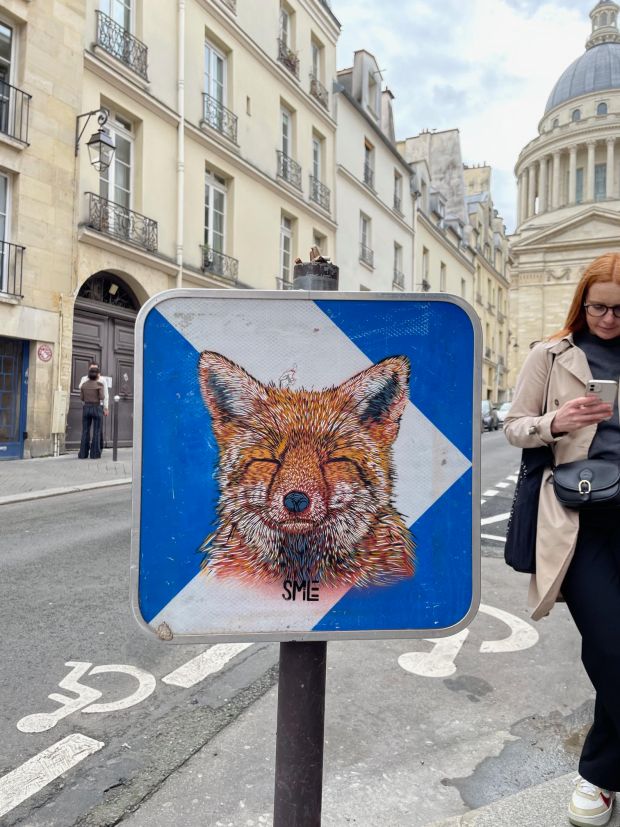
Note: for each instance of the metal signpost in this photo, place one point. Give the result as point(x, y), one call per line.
point(306, 468)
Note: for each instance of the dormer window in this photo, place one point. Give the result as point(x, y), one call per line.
point(601, 109)
point(372, 93)
point(576, 115)
point(438, 205)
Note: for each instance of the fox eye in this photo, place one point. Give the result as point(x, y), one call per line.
point(339, 459)
point(252, 462)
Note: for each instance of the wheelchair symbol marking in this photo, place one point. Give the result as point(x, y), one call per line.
point(87, 697)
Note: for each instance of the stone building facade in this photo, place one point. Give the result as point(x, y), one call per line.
point(568, 188)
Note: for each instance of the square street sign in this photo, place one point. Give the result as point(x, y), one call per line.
point(306, 465)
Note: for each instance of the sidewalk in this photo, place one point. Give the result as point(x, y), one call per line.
point(31, 479)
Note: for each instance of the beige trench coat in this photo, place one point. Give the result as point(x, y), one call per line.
point(557, 526)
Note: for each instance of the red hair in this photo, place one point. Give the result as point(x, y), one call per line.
point(604, 268)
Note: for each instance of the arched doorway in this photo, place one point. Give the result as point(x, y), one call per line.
point(103, 330)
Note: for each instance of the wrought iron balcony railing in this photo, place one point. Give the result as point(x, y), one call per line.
point(319, 193)
point(283, 284)
point(122, 45)
point(289, 170)
point(219, 117)
point(122, 223)
point(399, 279)
point(318, 91)
point(11, 268)
point(14, 112)
point(367, 255)
point(288, 57)
point(369, 176)
point(221, 265)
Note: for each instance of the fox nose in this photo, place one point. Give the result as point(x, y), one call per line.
point(296, 501)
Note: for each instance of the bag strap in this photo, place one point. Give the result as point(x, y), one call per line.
point(547, 383)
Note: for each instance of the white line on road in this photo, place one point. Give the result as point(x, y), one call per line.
point(502, 485)
point(36, 773)
point(490, 493)
point(493, 537)
point(205, 664)
point(512, 478)
point(482, 502)
point(498, 518)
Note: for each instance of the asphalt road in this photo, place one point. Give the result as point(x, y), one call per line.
point(415, 730)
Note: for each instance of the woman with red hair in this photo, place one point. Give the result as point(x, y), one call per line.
point(578, 551)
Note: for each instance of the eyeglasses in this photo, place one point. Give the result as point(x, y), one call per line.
point(600, 310)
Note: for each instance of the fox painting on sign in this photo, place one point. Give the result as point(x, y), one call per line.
point(305, 465)
point(305, 478)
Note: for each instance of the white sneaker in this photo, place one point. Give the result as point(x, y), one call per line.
point(590, 805)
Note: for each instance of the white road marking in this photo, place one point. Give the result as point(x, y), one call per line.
point(490, 493)
point(493, 537)
point(36, 773)
point(512, 478)
point(502, 485)
point(498, 518)
point(146, 686)
point(42, 721)
point(482, 502)
point(205, 664)
point(522, 635)
point(439, 662)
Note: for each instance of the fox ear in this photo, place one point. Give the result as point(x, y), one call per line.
point(381, 393)
point(228, 391)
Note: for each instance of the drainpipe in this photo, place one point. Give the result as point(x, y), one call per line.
point(180, 140)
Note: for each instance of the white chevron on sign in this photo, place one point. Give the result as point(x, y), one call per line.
point(295, 342)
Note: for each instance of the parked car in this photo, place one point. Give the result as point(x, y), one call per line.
point(503, 412)
point(490, 420)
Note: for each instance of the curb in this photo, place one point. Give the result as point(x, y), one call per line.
point(55, 492)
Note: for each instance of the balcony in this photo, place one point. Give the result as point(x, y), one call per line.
point(219, 264)
point(122, 223)
point(319, 193)
point(217, 116)
point(11, 269)
point(318, 91)
point(14, 112)
point(289, 170)
point(398, 280)
point(120, 44)
point(288, 57)
point(283, 284)
point(369, 176)
point(367, 255)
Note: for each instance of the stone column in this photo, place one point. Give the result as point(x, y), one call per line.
point(531, 191)
point(555, 196)
point(572, 175)
point(590, 171)
point(542, 185)
point(519, 199)
point(610, 189)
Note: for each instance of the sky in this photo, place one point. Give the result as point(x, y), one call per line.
point(485, 67)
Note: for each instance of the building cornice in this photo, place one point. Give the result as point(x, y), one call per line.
point(374, 198)
point(441, 238)
point(104, 242)
point(281, 189)
point(492, 270)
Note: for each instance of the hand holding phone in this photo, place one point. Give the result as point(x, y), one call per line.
point(604, 389)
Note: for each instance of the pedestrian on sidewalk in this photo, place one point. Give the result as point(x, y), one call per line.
point(92, 396)
point(106, 395)
point(578, 549)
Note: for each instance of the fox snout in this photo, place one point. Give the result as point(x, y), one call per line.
point(296, 502)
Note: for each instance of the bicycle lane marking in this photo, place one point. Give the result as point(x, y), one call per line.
point(43, 768)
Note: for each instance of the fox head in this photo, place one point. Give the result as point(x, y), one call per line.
point(305, 476)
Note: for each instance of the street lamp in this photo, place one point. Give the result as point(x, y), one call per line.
point(100, 145)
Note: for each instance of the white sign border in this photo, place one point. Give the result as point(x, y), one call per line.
point(303, 295)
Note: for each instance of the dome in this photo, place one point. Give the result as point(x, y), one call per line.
point(596, 70)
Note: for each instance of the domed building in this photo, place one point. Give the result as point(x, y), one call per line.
point(568, 188)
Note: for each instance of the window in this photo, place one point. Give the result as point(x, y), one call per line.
point(399, 276)
point(600, 182)
point(366, 253)
point(556, 123)
point(286, 130)
point(215, 73)
point(576, 115)
point(317, 158)
point(6, 64)
point(286, 248)
point(398, 191)
point(425, 269)
point(579, 182)
point(285, 27)
point(4, 232)
point(115, 182)
point(215, 212)
point(601, 109)
point(369, 164)
point(442, 277)
point(463, 288)
point(119, 11)
point(319, 240)
point(315, 54)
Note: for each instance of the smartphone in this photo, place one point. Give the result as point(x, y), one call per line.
point(605, 389)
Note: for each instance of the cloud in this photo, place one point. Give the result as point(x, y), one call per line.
point(486, 68)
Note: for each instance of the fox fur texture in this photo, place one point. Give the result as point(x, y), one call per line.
point(306, 477)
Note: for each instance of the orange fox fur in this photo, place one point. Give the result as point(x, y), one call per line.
point(326, 455)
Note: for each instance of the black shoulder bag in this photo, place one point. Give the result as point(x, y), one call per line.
point(520, 548)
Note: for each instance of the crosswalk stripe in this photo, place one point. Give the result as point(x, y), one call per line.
point(491, 493)
point(502, 485)
point(493, 537)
